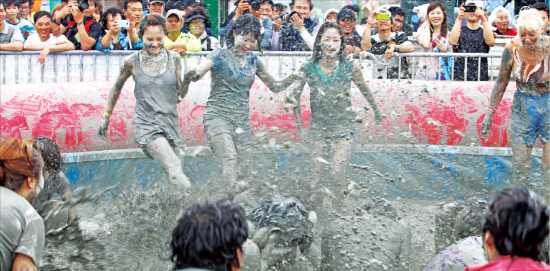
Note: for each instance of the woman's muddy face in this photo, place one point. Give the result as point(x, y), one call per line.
point(245, 43)
point(197, 26)
point(502, 21)
point(529, 38)
point(436, 17)
point(153, 39)
point(331, 43)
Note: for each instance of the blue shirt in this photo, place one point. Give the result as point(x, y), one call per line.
point(25, 26)
point(122, 44)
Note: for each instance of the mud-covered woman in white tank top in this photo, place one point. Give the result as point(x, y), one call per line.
point(159, 88)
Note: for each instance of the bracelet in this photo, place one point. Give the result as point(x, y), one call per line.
point(107, 115)
point(491, 109)
point(79, 23)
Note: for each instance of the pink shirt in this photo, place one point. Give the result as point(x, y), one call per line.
point(506, 263)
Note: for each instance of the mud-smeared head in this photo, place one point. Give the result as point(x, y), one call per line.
point(152, 30)
point(329, 42)
point(290, 216)
point(245, 34)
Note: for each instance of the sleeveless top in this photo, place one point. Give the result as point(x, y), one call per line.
point(156, 100)
point(529, 77)
point(330, 100)
point(230, 87)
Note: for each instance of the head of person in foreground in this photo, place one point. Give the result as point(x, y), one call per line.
point(210, 236)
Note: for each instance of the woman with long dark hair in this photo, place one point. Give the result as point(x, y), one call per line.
point(329, 75)
point(233, 70)
point(433, 36)
point(158, 89)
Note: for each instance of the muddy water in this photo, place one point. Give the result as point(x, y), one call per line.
point(130, 230)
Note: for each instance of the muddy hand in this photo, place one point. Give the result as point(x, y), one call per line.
point(191, 74)
point(103, 128)
point(486, 127)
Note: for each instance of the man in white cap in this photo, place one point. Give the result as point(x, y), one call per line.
point(472, 38)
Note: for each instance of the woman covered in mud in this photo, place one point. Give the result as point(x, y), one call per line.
point(158, 89)
point(528, 56)
point(233, 70)
point(329, 76)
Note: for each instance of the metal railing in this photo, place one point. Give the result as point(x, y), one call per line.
point(80, 66)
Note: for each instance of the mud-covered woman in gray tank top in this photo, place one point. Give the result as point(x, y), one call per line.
point(233, 70)
point(158, 89)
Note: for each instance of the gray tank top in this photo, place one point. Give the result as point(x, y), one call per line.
point(156, 101)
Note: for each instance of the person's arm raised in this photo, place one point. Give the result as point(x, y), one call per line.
point(499, 88)
point(488, 33)
point(457, 28)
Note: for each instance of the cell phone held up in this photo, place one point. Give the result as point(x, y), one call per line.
point(123, 23)
point(470, 8)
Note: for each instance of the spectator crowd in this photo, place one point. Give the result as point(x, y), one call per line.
point(85, 25)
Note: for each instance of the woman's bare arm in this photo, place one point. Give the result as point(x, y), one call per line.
point(273, 84)
point(360, 82)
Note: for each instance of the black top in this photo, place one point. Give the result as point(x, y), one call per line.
point(355, 40)
point(471, 41)
point(92, 27)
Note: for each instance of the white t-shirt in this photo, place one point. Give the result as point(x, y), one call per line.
point(34, 38)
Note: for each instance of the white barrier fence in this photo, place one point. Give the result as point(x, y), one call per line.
point(79, 66)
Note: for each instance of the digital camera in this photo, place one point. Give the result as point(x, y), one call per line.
point(255, 4)
point(285, 16)
point(83, 5)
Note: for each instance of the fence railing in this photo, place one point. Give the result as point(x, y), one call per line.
point(80, 66)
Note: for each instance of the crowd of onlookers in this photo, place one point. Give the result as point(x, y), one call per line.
point(85, 25)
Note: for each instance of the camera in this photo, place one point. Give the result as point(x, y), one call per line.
point(470, 8)
point(255, 4)
point(285, 16)
point(83, 5)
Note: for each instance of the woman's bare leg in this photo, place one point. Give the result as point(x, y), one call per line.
point(162, 153)
point(339, 164)
point(224, 148)
point(521, 164)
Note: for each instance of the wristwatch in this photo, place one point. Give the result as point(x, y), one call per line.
point(79, 23)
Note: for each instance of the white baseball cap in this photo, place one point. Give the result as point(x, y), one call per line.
point(478, 3)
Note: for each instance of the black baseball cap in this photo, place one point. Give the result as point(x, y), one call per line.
point(192, 3)
point(345, 13)
point(157, 1)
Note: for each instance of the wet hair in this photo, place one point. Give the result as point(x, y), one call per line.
point(317, 51)
point(290, 216)
point(8, 3)
point(19, 159)
point(353, 8)
point(541, 6)
point(125, 4)
point(396, 11)
point(278, 7)
point(517, 219)
point(493, 17)
point(244, 25)
point(530, 20)
point(444, 27)
point(151, 20)
point(208, 236)
point(310, 4)
point(113, 12)
point(50, 153)
point(40, 14)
